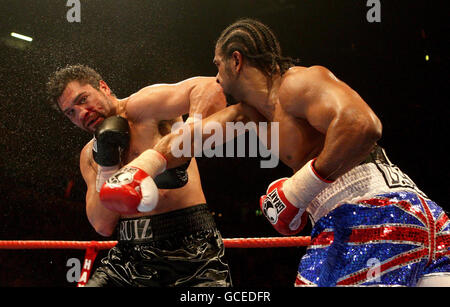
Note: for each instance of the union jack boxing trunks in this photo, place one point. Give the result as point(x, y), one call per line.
point(374, 230)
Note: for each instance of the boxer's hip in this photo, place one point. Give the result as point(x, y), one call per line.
point(375, 175)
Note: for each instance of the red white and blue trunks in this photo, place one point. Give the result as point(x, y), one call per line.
point(390, 238)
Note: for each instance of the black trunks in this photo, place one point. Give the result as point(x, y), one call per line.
point(179, 248)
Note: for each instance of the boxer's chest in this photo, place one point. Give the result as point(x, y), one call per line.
point(298, 141)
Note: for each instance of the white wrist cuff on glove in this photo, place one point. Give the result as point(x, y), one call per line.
point(151, 162)
point(304, 186)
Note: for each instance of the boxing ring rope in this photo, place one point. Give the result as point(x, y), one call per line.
point(93, 247)
point(99, 245)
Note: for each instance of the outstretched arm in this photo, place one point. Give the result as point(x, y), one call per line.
point(236, 113)
point(198, 95)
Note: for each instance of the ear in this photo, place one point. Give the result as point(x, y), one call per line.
point(104, 87)
point(237, 61)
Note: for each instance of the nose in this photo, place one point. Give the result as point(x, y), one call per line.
point(83, 113)
point(217, 79)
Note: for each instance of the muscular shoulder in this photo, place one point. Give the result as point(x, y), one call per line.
point(300, 84)
point(301, 80)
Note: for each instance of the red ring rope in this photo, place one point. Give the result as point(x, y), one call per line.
point(229, 243)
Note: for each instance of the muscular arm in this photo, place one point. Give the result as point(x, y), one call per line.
point(235, 113)
point(198, 95)
point(350, 127)
point(102, 219)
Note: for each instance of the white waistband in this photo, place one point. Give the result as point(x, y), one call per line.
point(359, 182)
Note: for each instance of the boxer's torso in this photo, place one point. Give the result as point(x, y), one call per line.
point(299, 142)
point(144, 134)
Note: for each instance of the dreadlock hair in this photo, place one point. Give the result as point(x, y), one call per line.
point(257, 43)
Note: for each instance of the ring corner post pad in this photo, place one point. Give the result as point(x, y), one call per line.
point(89, 258)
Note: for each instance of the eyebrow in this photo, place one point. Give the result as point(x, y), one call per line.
point(73, 102)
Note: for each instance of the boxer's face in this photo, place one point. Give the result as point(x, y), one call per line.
point(225, 77)
point(84, 105)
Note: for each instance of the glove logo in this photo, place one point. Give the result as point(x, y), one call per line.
point(273, 206)
point(123, 176)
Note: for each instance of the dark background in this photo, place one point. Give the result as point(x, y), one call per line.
point(136, 43)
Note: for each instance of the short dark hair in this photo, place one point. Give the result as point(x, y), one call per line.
point(257, 42)
point(58, 81)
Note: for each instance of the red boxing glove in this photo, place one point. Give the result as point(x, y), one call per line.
point(129, 191)
point(285, 217)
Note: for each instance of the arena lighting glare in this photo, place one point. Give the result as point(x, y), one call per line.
point(20, 36)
